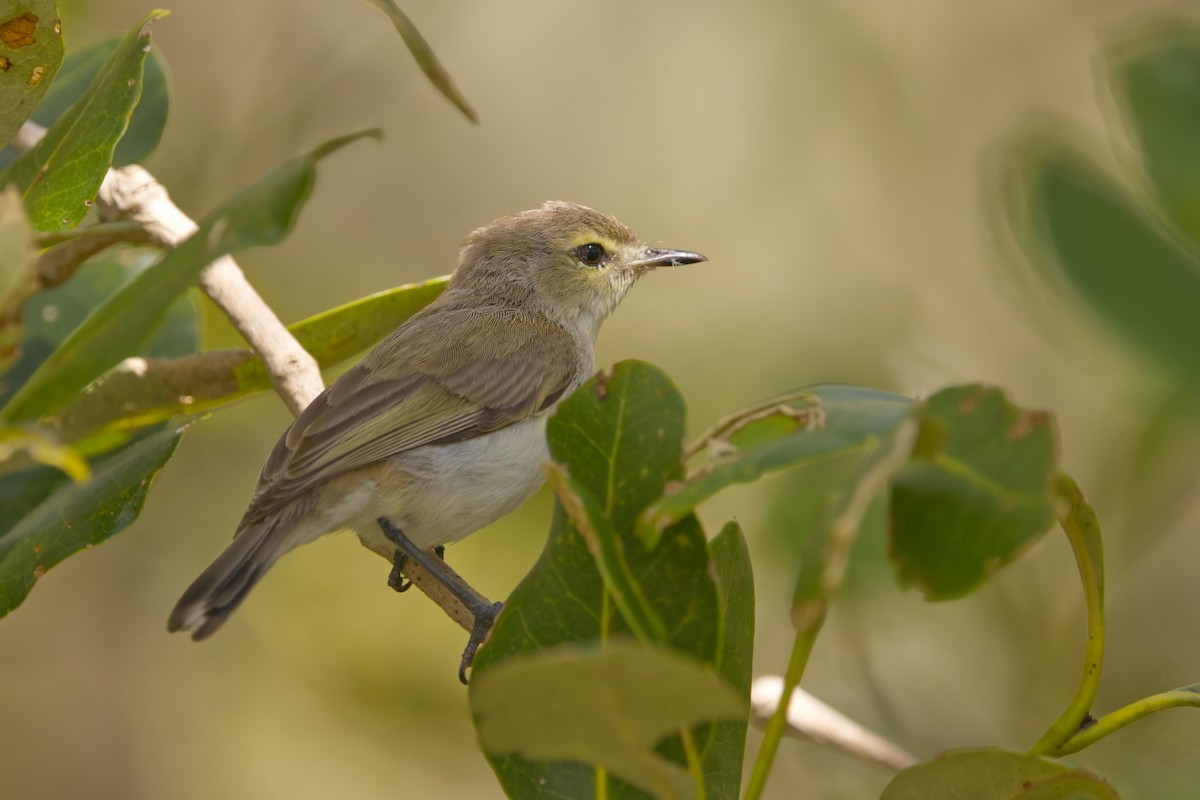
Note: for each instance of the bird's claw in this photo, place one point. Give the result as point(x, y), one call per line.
point(479, 633)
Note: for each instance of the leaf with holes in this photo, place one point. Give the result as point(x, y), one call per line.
point(31, 51)
point(977, 491)
point(59, 177)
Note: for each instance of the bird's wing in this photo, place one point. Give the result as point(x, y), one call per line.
point(441, 378)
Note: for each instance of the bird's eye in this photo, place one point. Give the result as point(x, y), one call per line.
point(591, 254)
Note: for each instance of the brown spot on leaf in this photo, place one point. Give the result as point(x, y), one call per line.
point(18, 31)
point(35, 76)
point(38, 572)
point(1026, 423)
point(601, 385)
point(5, 64)
point(972, 401)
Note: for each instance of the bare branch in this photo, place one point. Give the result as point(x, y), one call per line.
point(809, 718)
point(132, 193)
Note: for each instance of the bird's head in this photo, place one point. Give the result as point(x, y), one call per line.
point(572, 261)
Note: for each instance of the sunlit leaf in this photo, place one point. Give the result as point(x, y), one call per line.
point(990, 774)
point(59, 177)
point(149, 118)
point(31, 50)
point(608, 706)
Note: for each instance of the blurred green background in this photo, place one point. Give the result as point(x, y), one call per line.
point(838, 163)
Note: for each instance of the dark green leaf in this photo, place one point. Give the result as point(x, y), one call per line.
point(59, 177)
point(619, 437)
point(1156, 77)
point(978, 491)
point(31, 50)
point(1101, 248)
point(426, 60)
point(606, 705)
point(31, 492)
point(261, 214)
point(800, 428)
point(723, 743)
point(72, 517)
point(990, 774)
point(125, 399)
point(78, 71)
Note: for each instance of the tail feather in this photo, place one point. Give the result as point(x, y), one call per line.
point(223, 586)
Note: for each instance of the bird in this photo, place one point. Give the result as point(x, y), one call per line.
point(440, 430)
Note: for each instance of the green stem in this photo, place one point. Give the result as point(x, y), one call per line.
point(1110, 723)
point(695, 765)
point(1079, 522)
point(777, 725)
point(121, 229)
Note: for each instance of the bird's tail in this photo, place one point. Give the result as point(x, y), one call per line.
point(223, 586)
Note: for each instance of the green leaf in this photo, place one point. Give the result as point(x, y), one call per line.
point(31, 50)
point(1088, 237)
point(261, 214)
point(978, 491)
point(60, 176)
point(1156, 78)
point(723, 743)
point(124, 400)
point(619, 437)
point(43, 449)
point(18, 273)
point(991, 774)
point(823, 567)
point(785, 432)
point(51, 316)
point(606, 706)
point(72, 516)
point(606, 547)
point(149, 118)
point(425, 57)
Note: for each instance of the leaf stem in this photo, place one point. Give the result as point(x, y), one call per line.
point(801, 649)
point(695, 765)
point(1110, 723)
point(1078, 521)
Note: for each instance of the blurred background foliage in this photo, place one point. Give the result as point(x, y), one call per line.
point(840, 164)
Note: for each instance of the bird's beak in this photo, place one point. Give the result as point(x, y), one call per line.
point(651, 258)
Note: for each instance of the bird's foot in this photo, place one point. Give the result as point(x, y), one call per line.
point(479, 633)
point(396, 578)
point(448, 589)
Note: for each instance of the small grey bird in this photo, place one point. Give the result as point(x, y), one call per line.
point(440, 430)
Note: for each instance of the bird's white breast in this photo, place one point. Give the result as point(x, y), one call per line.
point(439, 494)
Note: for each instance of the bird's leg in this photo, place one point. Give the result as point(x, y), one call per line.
point(465, 605)
point(396, 579)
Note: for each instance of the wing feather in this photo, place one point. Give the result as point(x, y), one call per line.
point(443, 377)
